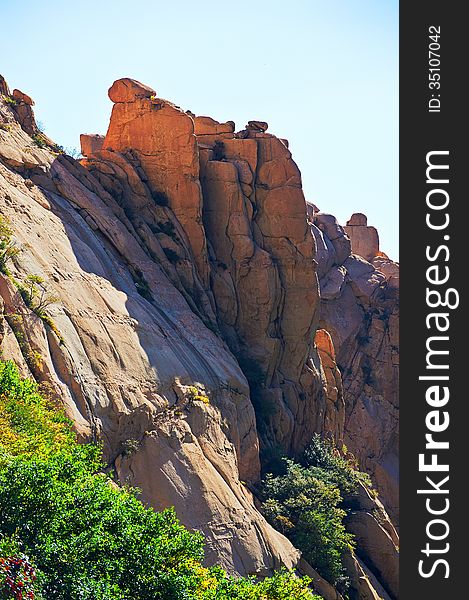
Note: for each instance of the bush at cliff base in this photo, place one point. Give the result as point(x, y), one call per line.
point(307, 502)
point(67, 532)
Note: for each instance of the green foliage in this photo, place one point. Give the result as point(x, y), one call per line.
point(85, 537)
point(39, 140)
point(10, 100)
point(88, 539)
point(8, 248)
point(195, 394)
point(30, 423)
point(283, 585)
point(306, 509)
point(36, 295)
point(130, 446)
point(308, 502)
point(326, 462)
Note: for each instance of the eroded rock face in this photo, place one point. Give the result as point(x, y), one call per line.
point(263, 279)
point(180, 251)
point(335, 410)
point(359, 308)
point(262, 291)
point(124, 357)
point(160, 139)
point(91, 143)
point(364, 239)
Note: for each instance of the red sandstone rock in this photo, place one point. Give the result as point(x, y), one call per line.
point(22, 97)
point(91, 143)
point(364, 239)
point(129, 90)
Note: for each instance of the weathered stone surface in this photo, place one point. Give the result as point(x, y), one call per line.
point(4, 89)
point(22, 97)
point(333, 283)
point(160, 285)
point(325, 252)
point(364, 239)
point(195, 463)
point(91, 143)
point(161, 138)
point(327, 591)
point(17, 149)
point(330, 227)
point(265, 285)
point(361, 314)
point(363, 583)
point(378, 549)
point(129, 90)
point(335, 409)
point(364, 279)
point(260, 126)
point(208, 126)
point(358, 219)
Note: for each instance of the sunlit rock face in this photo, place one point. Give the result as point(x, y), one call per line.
point(183, 256)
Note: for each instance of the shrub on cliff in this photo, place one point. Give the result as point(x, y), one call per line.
point(30, 423)
point(306, 508)
point(67, 532)
point(323, 459)
point(308, 502)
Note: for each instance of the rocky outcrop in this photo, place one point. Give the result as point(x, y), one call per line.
point(91, 143)
point(377, 546)
point(364, 239)
point(359, 308)
point(160, 139)
point(128, 344)
point(181, 258)
point(251, 235)
point(263, 278)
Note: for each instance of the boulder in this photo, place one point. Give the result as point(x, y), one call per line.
point(129, 90)
point(208, 126)
point(329, 225)
point(358, 219)
point(91, 143)
point(22, 97)
point(260, 126)
point(364, 239)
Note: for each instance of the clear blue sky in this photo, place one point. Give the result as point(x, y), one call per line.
point(323, 73)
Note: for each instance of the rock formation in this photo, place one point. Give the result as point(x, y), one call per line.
point(359, 308)
point(182, 259)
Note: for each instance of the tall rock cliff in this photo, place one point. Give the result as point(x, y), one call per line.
point(360, 310)
point(187, 330)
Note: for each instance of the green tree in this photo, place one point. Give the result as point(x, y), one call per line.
point(67, 532)
point(306, 508)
